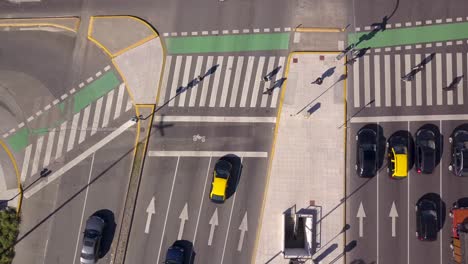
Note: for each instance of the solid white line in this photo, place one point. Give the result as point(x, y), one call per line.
point(175, 80)
point(226, 82)
point(266, 85)
point(97, 114)
point(118, 106)
point(50, 144)
point(185, 80)
point(397, 80)
point(428, 83)
point(460, 73)
point(84, 207)
point(235, 87)
point(413, 118)
point(356, 84)
point(377, 231)
point(248, 76)
point(208, 172)
point(449, 78)
point(388, 87)
point(168, 206)
point(417, 59)
point(84, 124)
point(217, 119)
point(440, 191)
point(215, 86)
point(206, 82)
point(37, 155)
point(408, 211)
point(377, 80)
point(257, 82)
point(439, 84)
point(63, 130)
point(78, 159)
point(27, 156)
point(247, 154)
point(167, 68)
point(408, 85)
point(107, 109)
point(367, 84)
point(194, 90)
point(73, 129)
point(279, 75)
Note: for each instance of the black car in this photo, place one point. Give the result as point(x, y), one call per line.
point(366, 156)
point(175, 255)
point(459, 163)
point(425, 151)
point(427, 222)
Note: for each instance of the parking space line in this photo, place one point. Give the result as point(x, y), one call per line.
point(201, 202)
point(248, 75)
point(215, 86)
point(235, 87)
point(247, 154)
point(440, 189)
point(227, 80)
point(449, 78)
point(217, 119)
point(168, 206)
point(408, 212)
point(185, 79)
point(413, 118)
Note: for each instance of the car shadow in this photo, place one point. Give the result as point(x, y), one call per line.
point(439, 140)
point(236, 172)
point(108, 232)
point(460, 127)
point(409, 143)
point(189, 252)
point(442, 208)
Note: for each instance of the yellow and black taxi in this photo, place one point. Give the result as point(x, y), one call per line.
point(219, 185)
point(398, 157)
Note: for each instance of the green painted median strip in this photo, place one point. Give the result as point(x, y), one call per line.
point(19, 140)
point(95, 90)
point(412, 35)
point(229, 43)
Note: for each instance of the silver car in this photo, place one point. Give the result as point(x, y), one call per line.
point(92, 239)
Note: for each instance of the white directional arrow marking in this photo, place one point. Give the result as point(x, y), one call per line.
point(393, 214)
point(150, 210)
point(183, 217)
point(361, 214)
point(242, 228)
point(213, 223)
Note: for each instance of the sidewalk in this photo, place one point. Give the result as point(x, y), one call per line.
point(308, 164)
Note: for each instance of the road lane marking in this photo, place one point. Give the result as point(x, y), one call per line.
point(168, 206)
point(248, 76)
point(460, 73)
point(73, 129)
point(129, 105)
point(97, 114)
point(413, 118)
point(183, 218)
point(418, 82)
point(257, 82)
point(439, 84)
point(356, 84)
point(118, 106)
point(247, 154)
point(201, 201)
point(175, 81)
point(367, 95)
point(235, 87)
point(449, 78)
point(206, 82)
point(428, 83)
point(185, 79)
point(107, 110)
point(61, 139)
point(393, 215)
point(167, 68)
point(194, 90)
point(84, 124)
point(266, 85)
point(217, 119)
point(440, 187)
point(213, 223)
point(37, 155)
point(408, 85)
point(150, 211)
point(243, 228)
point(388, 87)
point(279, 75)
point(361, 214)
point(227, 80)
point(84, 207)
point(397, 80)
point(78, 159)
point(408, 211)
point(215, 86)
point(376, 80)
point(27, 156)
point(50, 144)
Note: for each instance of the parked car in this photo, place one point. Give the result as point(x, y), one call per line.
point(459, 162)
point(398, 157)
point(175, 254)
point(426, 150)
point(221, 174)
point(92, 239)
point(427, 221)
point(366, 156)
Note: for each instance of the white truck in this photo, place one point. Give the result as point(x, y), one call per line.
point(299, 233)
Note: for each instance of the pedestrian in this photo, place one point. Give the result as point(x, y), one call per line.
point(266, 78)
point(200, 78)
point(318, 81)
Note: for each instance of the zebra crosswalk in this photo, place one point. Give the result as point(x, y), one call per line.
point(378, 77)
point(234, 81)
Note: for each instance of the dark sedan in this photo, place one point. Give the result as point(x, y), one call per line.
point(459, 162)
point(366, 156)
point(427, 222)
point(425, 151)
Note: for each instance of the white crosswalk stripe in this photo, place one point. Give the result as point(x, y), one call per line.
point(107, 109)
point(97, 114)
point(398, 80)
point(227, 79)
point(357, 88)
point(73, 129)
point(449, 78)
point(26, 159)
point(61, 140)
point(195, 90)
point(37, 155)
point(206, 82)
point(377, 80)
point(175, 84)
point(408, 85)
point(266, 85)
point(118, 105)
point(185, 79)
point(367, 84)
point(278, 76)
point(418, 82)
point(167, 68)
point(460, 73)
point(245, 89)
point(428, 84)
point(388, 87)
point(438, 60)
point(215, 86)
point(50, 144)
point(258, 81)
point(237, 76)
point(84, 124)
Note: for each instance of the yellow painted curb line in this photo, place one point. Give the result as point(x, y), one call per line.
point(319, 29)
point(275, 134)
point(18, 177)
point(47, 24)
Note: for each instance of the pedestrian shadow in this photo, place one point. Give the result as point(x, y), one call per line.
point(427, 59)
point(108, 232)
point(271, 74)
point(211, 70)
point(454, 83)
point(325, 253)
point(276, 84)
point(348, 248)
point(328, 72)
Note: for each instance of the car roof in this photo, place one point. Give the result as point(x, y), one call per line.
point(219, 186)
point(401, 165)
point(94, 223)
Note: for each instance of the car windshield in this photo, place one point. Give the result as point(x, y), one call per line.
point(217, 198)
point(91, 233)
point(400, 149)
point(428, 143)
point(87, 256)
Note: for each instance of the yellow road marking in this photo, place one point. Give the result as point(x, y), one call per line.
point(18, 177)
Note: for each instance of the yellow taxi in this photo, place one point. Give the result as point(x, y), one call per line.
point(398, 164)
point(219, 185)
